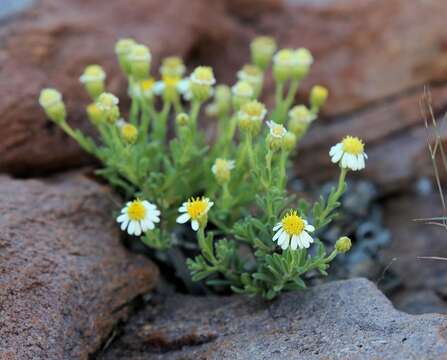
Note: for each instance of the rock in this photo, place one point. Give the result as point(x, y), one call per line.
point(356, 48)
point(65, 278)
point(339, 320)
point(50, 44)
point(412, 239)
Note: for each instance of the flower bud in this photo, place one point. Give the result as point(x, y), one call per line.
point(51, 102)
point(343, 244)
point(95, 115)
point(140, 61)
point(251, 115)
point(147, 88)
point(289, 141)
point(108, 104)
point(304, 60)
point(170, 91)
point(122, 50)
point(284, 63)
point(129, 133)
point(275, 136)
point(222, 99)
point(172, 67)
point(201, 82)
point(318, 97)
point(182, 119)
point(93, 79)
point(253, 75)
point(300, 118)
point(222, 170)
point(242, 93)
point(262, 49)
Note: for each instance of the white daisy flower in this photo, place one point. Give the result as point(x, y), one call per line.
point(349, 153)
point(194, 210)
point(293, 232)
point(276, 130)
point(138, 216)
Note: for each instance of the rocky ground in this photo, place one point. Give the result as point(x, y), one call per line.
point(69, 289)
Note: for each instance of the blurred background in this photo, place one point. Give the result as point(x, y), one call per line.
point(375, 56)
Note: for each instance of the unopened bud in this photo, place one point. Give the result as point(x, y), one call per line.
point(222, 170)
point(51, 102)
point(304, 60)
point(201, 82)
point(129, 133)
point(95, 115)
point(343, 244)
point(242, 93)
point(262, 49)
point(289, 141)
point(122, 50)
point(182, 119)
point(108, 104)
point(93, 79)
point(318, 96)
point(284, 63)
point(140, 61)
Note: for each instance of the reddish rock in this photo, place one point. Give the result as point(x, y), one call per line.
point(374, 56)
point(65, 278)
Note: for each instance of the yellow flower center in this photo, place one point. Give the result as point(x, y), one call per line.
point(129, 132)
point(353, 145)
point(196, 207)
point(278, 131)
point(292, 223)
point(253, 108)
point(136, 211)
point(171, 81)
point(204, 73)
point(147, 84)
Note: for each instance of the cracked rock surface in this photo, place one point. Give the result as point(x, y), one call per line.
point(345, 320)
point(65, 278)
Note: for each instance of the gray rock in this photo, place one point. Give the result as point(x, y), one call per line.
point(344, 320)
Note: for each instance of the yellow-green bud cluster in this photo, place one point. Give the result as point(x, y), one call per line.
point(51, 101)
point(222, 99)
point(343, 244)
point(253, 75)
point(250, 116)
point(289, 141)
point(140, 61)
point(262, 49)
point(318, 97)
point(108, 104)
point(304, 61)
point(276, 136)
point(300, 117)
point(182, 119)
point(95, 114)
point(242, 93)
point(173, 67)
point(122, 49)
point(201, 82)
point(93, 79)
point(222, 170)
point(129, 133)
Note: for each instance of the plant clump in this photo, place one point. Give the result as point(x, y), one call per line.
point(253, 236)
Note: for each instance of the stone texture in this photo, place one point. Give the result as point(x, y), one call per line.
point(346, 320)
point(65, 278)
point(51, 44)
point(374, 55)
point(423, 286)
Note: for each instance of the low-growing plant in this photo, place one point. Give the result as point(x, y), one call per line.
point(253, 236)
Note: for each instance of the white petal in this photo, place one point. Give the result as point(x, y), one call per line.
point(335, 149)
point(306, 239)
point(277, 226)
point(131, 228)
point(337, 155)
point(278, 234)
point(137, 228)
point(284, 239)
point(183, 218)
point(294, 242)
point(344, 160)
point(195, 225)
point(122, 218)
point(309, 228)
point(124, 225)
